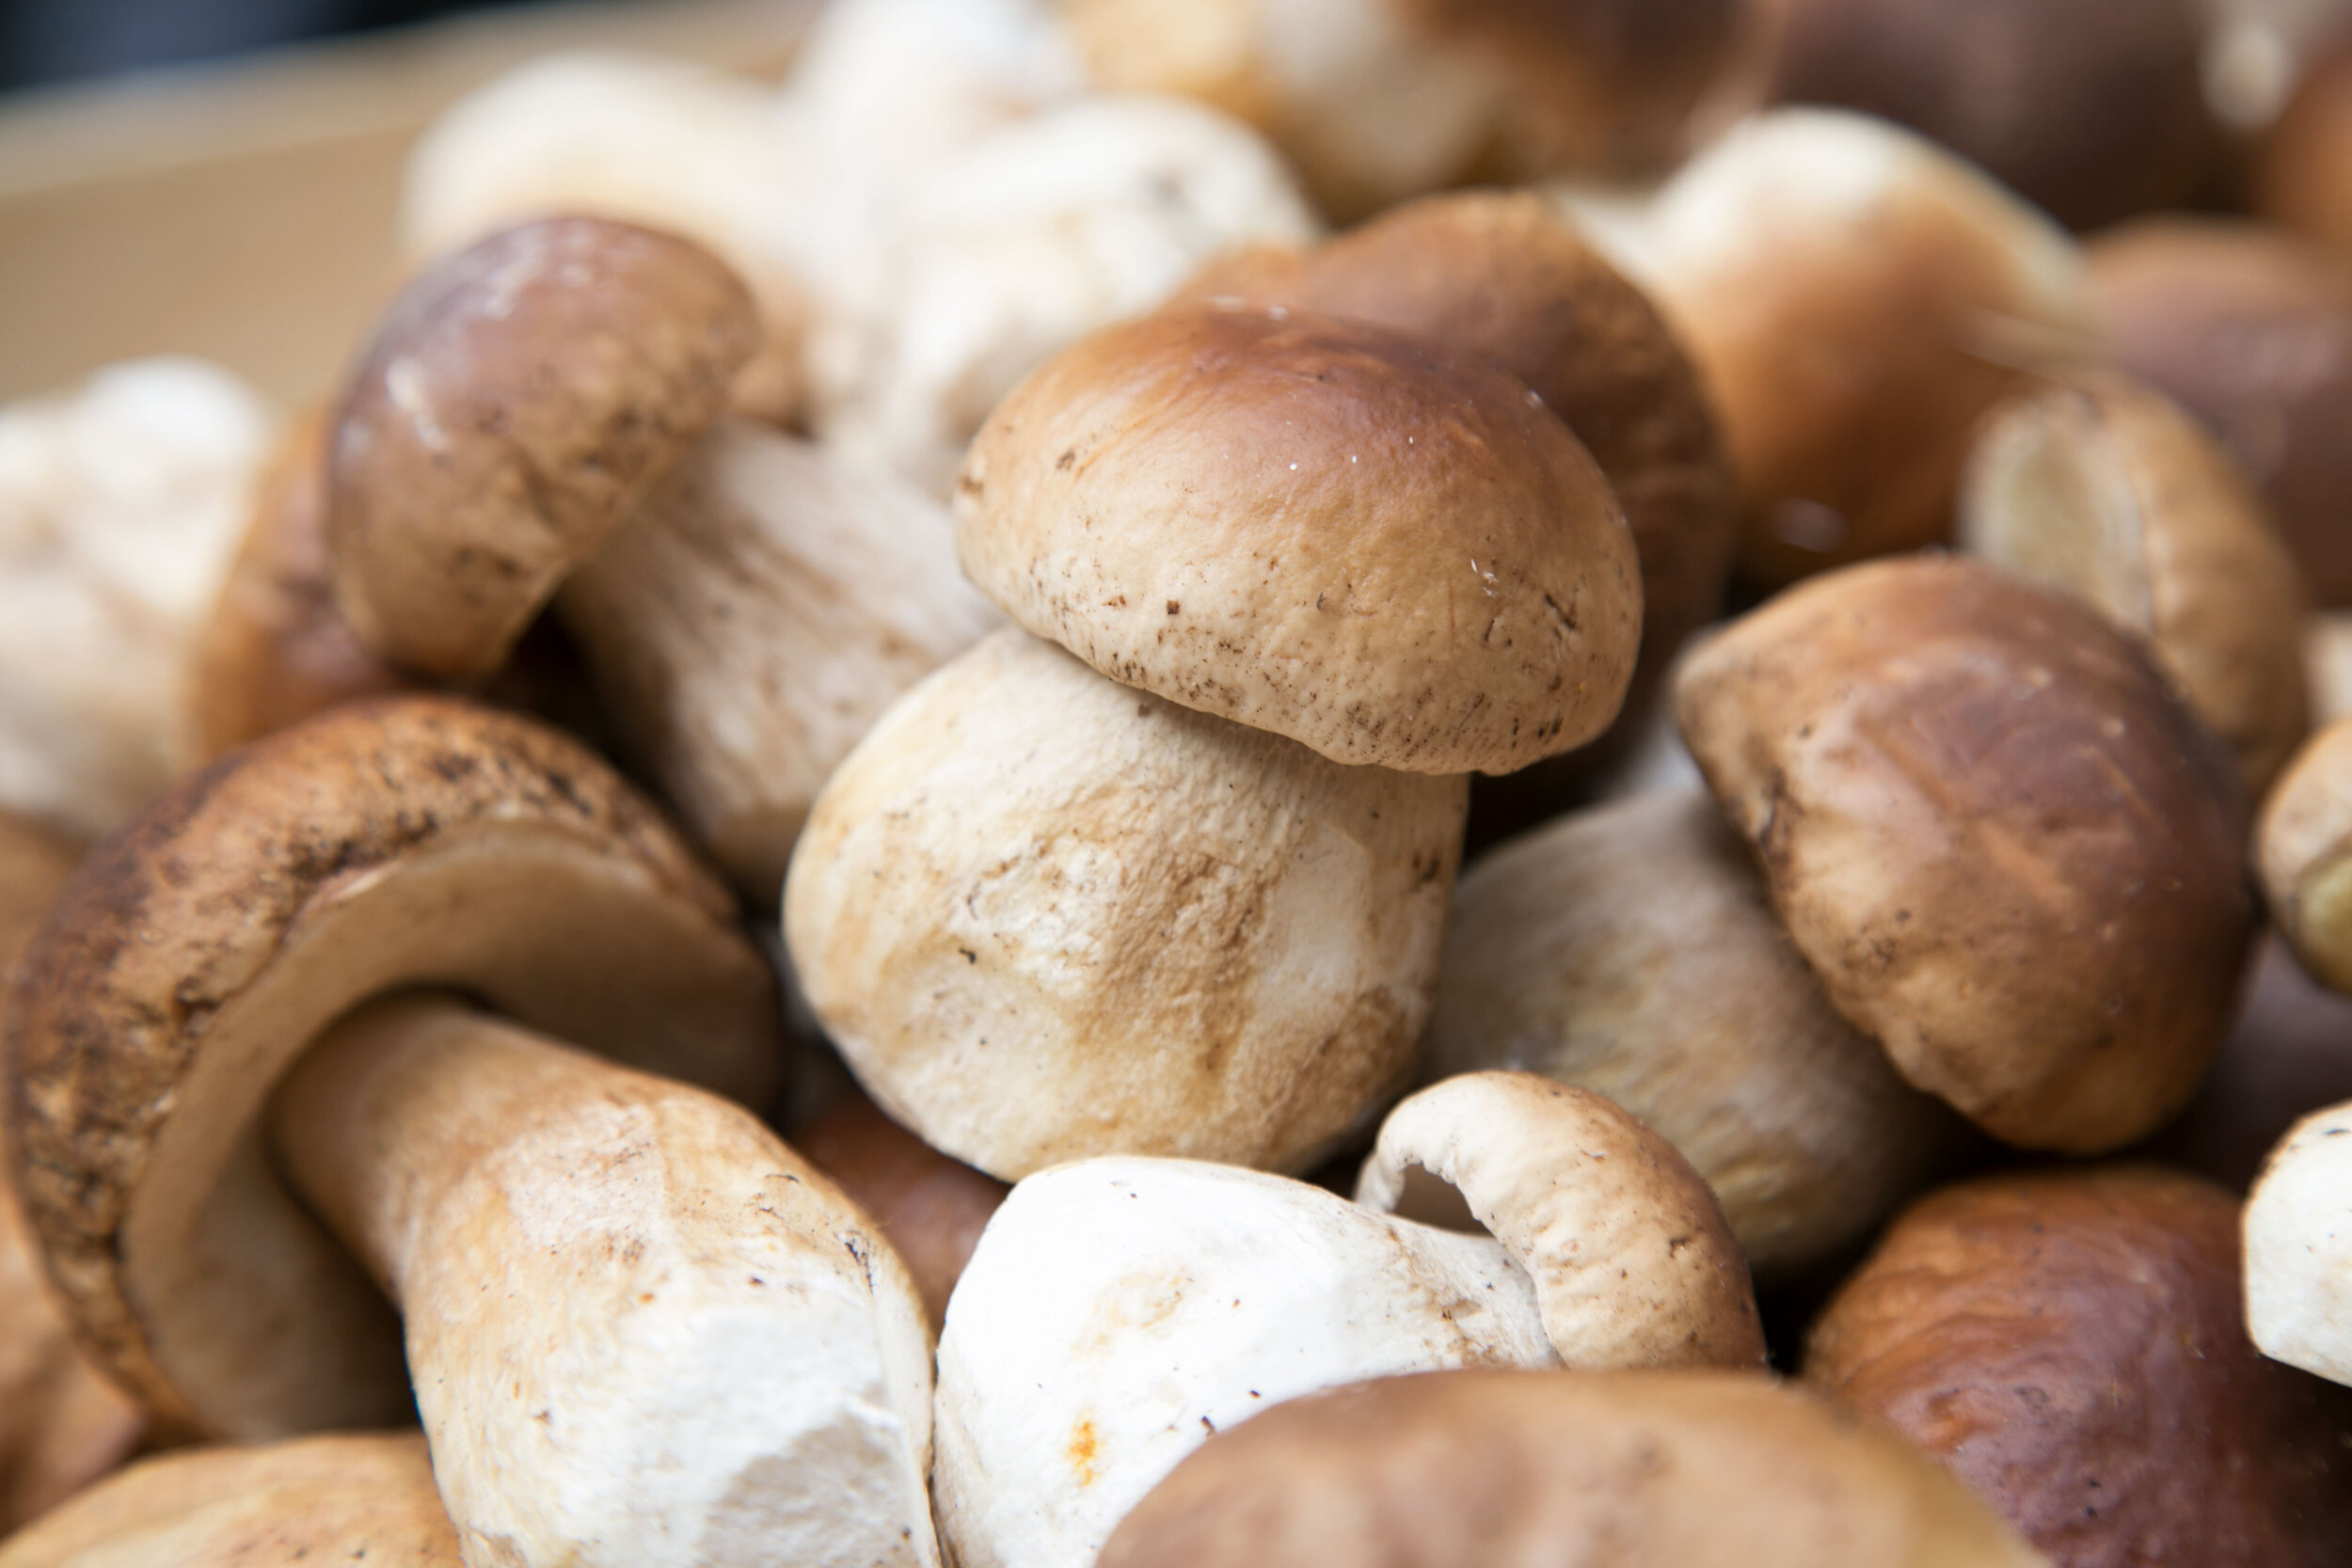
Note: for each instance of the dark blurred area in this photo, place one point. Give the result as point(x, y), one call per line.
point(63, 41)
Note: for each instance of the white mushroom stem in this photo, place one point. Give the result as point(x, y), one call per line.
point(1633, 1263)
point(2299, 1249)
point(641, 1330)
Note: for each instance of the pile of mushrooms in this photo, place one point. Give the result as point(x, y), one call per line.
point(1127, 784)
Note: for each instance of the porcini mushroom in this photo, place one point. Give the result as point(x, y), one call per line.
point(1340, 533)
point(120, 508)
point(1856, 298)
point(1044, 915)
point(640, 1329)
point(1179, 1299)
point(2070, 1344)
point(2301, 847)
point(1631, 1469)
point(2101, 489)
point(2010, 853)
point(1632, 950)
point(342, 1499)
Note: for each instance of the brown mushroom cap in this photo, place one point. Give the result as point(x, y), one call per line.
point(1583, 1470)
point(2095, 109)
point(2008, 849)
point(278, 649)
point(930, 1208)
point(340, 1499)
point(1506, 274)
point(1319, 527)
point(2071, 1343)
point(2103, 490)
point(2303, 846)
point(2248, 328)
point(406, 842)
point(1632, 950)
point(519, 399)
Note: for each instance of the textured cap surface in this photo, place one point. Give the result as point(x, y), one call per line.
point(1318, 527)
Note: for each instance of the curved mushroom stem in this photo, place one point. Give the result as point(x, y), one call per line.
point(640, 1327)
point(1633, 1263)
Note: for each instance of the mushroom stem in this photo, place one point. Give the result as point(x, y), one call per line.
point(590, 1263)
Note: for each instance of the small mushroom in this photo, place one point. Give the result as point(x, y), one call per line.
point(2303, 846)
point(2070, 1344)
point(1044, 916)
point(930, 1208)
point(1632, 950)
point(1387, 99)
point(2094, 109)
point(1631, 1469)
point(1340, 533)
point(1120, 1312)
point(342, 1499)
point(519, 401)
point(2298, 1249)
point(120, 506)
point(2008, 851)
point(640, 1329)
point(999, 255)
point(1857, 298)
point(2249, 328)
point(2101, 490)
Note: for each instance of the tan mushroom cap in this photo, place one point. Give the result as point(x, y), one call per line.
point(1319, 527)
point(1046, 916)
point(1505, 275)
point(2303, 844)
point(2070, 1344)
point(408, 842)
point(1632, 1263)
point(2101, 490)
point(339, 1499)
point(1589, 1470)
point(1632, 950)
point(2008, 849)
point(518, 400)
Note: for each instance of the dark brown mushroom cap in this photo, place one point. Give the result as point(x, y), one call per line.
point(1569, 1470)
point(1506, 274)
point(340, 1499)
point(1323, 528)
point(2249, 328)
point(2095, 109)
point(399, 842)
point(2009, 850)
point(519, 399)
point(2072, 1344)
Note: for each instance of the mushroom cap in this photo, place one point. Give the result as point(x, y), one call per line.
point(406, 842)
point(2299, 1249)
point(316, 1499)
point(2303, 847)
point(932, 1209)
point(1045, 916)
point(1632, 950)
point(2094, 109)
point(1320, 527)
point(1118, 1312)
point(768, 603)
point(1623, 1469)
point(2248, 328)
point(2301, 176)
point(2008, 849)
point(1856, 298)
point(2070, 1344)
point(277, 648)
point(519, 398)
point(1632, 1263)
point(2103, 490)
point(1506, 274)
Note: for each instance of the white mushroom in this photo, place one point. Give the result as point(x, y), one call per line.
point(2298, 1249)
point(121, 505)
